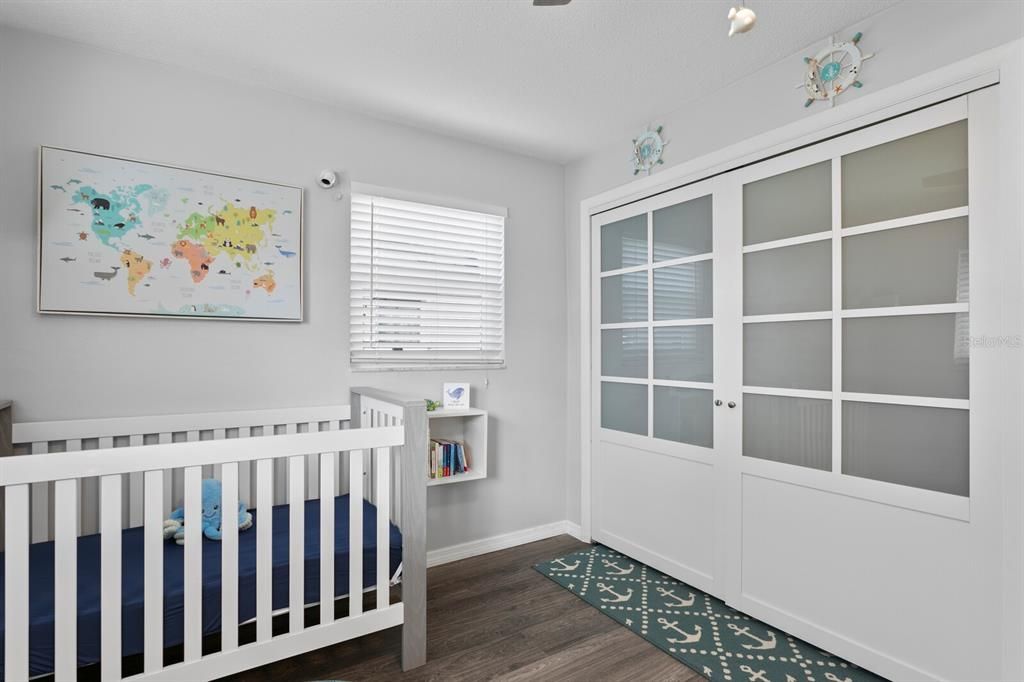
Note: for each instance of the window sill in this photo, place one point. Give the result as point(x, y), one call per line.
point(363, 369)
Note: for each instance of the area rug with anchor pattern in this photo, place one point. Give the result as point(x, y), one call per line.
point(697, 629)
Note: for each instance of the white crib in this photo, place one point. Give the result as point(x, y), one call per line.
point(75, 478)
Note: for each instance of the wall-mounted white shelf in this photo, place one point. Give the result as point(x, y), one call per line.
point(469, 427)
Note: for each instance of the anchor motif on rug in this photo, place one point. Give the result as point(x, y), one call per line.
point(680, 602)
point(565, 566)
point(619, 570)
point(761, 643)
point(618, 597)
point(755, 676)
point(688, 638)
point(836, 678)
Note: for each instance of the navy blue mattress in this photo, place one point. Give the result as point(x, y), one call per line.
point(132, 602)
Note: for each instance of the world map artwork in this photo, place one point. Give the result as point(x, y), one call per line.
point(132, 238)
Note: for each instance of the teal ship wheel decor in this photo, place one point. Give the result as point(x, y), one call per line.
point(833, 70)
point(647, 149)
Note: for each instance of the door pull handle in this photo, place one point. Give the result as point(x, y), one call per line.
point(718, 403)
point(732, 404)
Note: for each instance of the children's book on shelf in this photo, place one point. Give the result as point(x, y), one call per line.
point(447, 458)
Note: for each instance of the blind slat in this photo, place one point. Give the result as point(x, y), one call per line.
point(427, 285)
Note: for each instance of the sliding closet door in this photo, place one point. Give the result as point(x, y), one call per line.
point(864, 504)
point(656, 438)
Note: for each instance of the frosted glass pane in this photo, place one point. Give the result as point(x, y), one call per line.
point(683, 291)
point(791, 430)
point(624, 407)
point(924, 447)
point(624, 298)
point(917, 174)
point(788, 354)
point(683, 353)
point(683, 229)
point(624, 353)
point(684, 415)
point(788, 205)
point(624, 243)
point(924, 355)
point(793, 279)
point(916, 265)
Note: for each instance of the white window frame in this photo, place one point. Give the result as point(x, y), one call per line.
point(445, 202)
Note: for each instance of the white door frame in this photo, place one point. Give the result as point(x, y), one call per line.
point(1003, 66)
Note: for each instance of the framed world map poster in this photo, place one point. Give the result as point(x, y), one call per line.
point(122, 237)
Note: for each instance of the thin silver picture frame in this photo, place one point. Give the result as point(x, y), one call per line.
point(223, 318)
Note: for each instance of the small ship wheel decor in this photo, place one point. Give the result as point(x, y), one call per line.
point(833, 70)
point(647, 149)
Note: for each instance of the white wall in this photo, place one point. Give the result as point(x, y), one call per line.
point(910, 38)
point(59, 367)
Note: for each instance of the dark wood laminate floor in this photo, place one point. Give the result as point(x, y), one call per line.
point(493, 617)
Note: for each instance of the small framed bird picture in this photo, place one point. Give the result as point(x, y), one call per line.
point(456, 396)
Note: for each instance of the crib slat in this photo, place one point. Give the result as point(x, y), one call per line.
point(382, 459)
point(74, 446)
point(110, 577)
point(327, 481)
point(296, 539)
point(343, 487)
point(215, 470)
point(91, 495)
point(281, 472)
point(136, 485)
point(229, 557)
point(16, 528)
point(193, 481)
point(312, 470)
point(65, 579)
point(312, 474)
point(245, 472)
point(40, 501)
point(178, 475)
point(153, 546)
point(270, 429)
point(355, 533)
point(396, 491)
point(264, 536)
point(168, 477)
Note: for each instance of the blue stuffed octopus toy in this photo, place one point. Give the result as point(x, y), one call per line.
point(174, 527)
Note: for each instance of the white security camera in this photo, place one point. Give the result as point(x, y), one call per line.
point(327, 179)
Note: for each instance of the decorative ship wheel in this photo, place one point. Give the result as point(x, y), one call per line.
point(833, 70)
point(647, 149)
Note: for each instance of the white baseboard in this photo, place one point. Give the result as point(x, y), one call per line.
point(444, 555)
point(574, 530)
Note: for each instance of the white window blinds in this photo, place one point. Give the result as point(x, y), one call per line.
point(428, 285)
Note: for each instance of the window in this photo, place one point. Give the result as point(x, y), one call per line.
point(428, 285)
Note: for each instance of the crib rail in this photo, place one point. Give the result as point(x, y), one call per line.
point(88, 434)
point(20, 470)
point(368, 459)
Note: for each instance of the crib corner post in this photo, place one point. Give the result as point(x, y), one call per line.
point(355, 409)
point(414, 534)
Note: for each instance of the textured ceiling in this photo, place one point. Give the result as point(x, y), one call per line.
point(550, 82)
